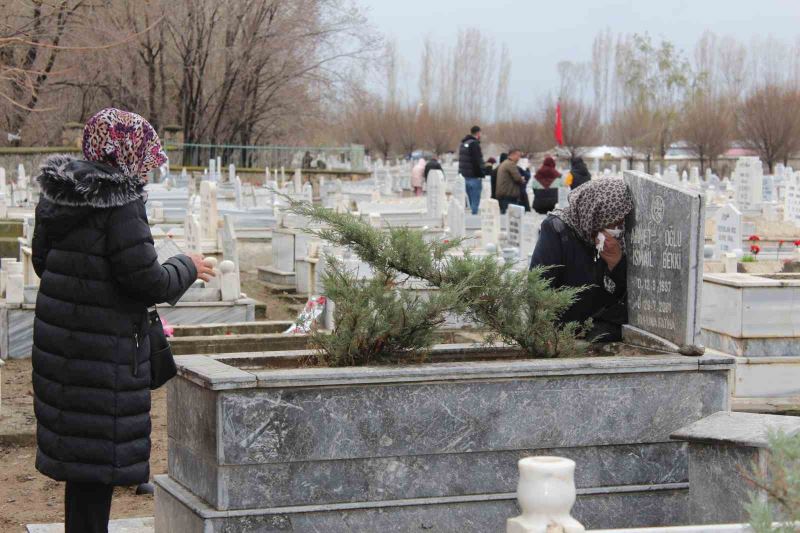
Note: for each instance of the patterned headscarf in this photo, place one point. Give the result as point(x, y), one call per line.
point(123, 140)
point(595, 206)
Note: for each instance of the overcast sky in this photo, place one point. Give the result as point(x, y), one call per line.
point(540, 34)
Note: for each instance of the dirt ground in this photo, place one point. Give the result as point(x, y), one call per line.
point(26, 496)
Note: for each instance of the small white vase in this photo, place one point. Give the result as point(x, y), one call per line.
point(546, 494)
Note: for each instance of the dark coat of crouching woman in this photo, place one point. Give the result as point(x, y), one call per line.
point(94, 253)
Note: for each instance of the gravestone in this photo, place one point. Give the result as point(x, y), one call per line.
point(459, 190)
point(563, 197)
point(237, 192)
point(297, 181)
point(791, 198)
point(515, 214)
point(209, 215)
point(191, 232)
point(729, 230)
point(166, 248)
point(436, 196)
point(230, 248)
point(748, 178)
point(529, 234)
point(3, 186)
point(231, 173)
point(212, 169)
point(490, 222)
point(455, 219)
point(664, 238)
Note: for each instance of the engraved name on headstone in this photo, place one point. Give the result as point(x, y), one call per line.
point(729, 229)
point(664, 239)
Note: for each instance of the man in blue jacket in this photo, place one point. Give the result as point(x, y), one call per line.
point(472, 167)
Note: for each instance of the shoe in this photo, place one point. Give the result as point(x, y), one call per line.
point(145, 488)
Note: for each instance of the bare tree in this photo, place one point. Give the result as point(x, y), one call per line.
point(768, 121)
point(30, 44)
point(706, 126)
point(525, 133)
point(581, 124)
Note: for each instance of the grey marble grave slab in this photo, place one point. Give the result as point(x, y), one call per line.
point(634, 506)
point(664, 238)
point(245, 440)
point(725, 449)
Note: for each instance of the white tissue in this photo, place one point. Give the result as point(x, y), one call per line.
point(601, 242)
point(601, 237)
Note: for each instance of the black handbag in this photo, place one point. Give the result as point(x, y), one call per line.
point(162, 362)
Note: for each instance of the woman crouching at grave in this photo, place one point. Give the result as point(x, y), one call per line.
point(584, 246)
point(94, 253)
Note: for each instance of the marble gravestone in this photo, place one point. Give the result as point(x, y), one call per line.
point(729, 229)
point(563, 197)
point(166, 248)
point(230, 248)
point(515, 215)
point(664, 237)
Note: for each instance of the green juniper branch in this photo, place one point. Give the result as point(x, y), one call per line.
point(521, 308)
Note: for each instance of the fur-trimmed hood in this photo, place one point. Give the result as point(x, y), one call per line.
point(71, 182)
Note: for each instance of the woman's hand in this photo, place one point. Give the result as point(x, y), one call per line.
point(204, 271)
point(612, 251)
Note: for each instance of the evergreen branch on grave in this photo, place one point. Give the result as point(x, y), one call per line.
point(520, 308)
point(779, 512)
point(376, 321)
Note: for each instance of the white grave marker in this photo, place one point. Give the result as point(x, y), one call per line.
point(490, 222)
point(209, 215)
point(729, 229)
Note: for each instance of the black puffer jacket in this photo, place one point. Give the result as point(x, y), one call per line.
point(94, 253)
point(470, 158)
point(574, 264)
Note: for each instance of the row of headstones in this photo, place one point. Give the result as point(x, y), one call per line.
point(12, 280)
point(22, 192)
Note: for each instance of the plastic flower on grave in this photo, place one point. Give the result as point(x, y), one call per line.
point(755, 249)
point(754, 238)
point(797, 243)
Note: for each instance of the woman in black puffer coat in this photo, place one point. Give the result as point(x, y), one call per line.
point(94, 253)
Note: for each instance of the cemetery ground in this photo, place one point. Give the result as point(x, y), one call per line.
point(27, 497)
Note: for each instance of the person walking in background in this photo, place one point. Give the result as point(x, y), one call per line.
point(94, 253)
point(578, 173)
point(583, 246)
point(524, 169)
point(472, 167)
point(307, 161)
point(493, 175)
point(418, 176)
point(509, 181)
point(545, 196)
point(433, 164)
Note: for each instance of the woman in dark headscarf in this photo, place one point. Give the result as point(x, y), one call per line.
point(94, 253)
point(546, 197)
point(584, 246)
point(579, 172)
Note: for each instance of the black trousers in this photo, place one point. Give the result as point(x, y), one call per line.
point(505, 202)
point(87, 507)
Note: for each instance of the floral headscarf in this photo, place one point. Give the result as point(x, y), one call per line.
point(597, 205)
point(123, 140)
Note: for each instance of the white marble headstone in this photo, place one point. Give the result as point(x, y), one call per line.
point(436, 197)
point(748, 179)
point(209, 215)
point(455, 219)
point(729, 229)
point(490, 222)
point(191, 232)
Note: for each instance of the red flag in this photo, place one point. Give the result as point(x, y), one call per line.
point(559, 131)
